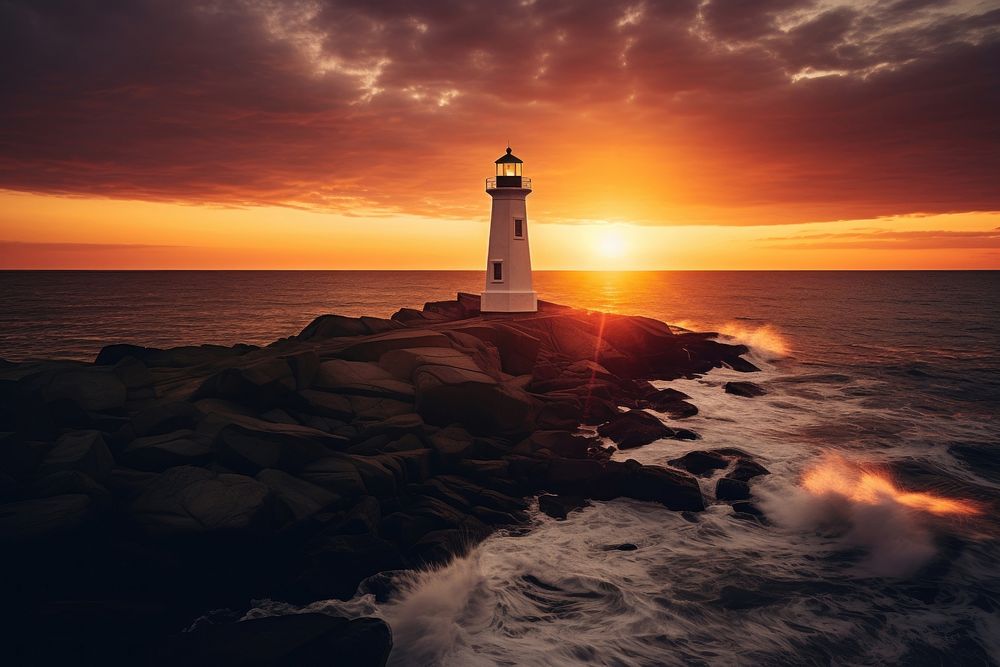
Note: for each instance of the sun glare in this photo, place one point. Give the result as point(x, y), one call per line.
point(610, 243)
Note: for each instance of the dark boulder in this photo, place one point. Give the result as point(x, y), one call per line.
point(700, 463)
point(363, 378)
point(671, 402)
point(333, 326)
point(294, 640)
point(673, 489)
point(336, 474)
point(67, 482)
point(634, 428)
point(732, 489)
point(745, 470)
point(559, 506)
point(92, 389)
point(252, 445)
point(263, 384)
point(745, 389)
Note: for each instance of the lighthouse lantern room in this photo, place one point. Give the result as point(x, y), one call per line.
point(508, 262)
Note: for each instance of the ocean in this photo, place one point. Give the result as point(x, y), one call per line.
point(881, 428)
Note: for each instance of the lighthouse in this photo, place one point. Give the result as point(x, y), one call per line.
point(508, 261)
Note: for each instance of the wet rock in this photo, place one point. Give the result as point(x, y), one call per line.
point(299, 497)
point(85, 451)
point(745, 389)
point(732, 489)
point(195, 500)
point(634, 428)
point(309, 639)
point(672, 489)
point(671, 402)
point(559, 506)
point(700, 463)
point(740, 364)
point(745, 470)
point(156, 453)
point(748, 511)
point(561, 443)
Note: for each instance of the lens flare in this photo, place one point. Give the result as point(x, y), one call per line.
point(858, 484)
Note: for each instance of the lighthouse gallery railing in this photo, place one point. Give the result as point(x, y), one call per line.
point(491, 183)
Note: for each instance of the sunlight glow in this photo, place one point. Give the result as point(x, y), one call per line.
point(856, 483)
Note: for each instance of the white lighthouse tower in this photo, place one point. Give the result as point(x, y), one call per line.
point(508, 264)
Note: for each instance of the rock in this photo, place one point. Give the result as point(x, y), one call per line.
point(165, 417)
point(46, 518)
point(560, 443)
point(740, 364)
point(300, 498)
point(747, 510)
point(133, 374)
point(674, 490)
point(325, 404)
point(92, 389)
point(336, 474)
point(745, 389)
point(371, 408)
point(186, 500)
point(358, 377)
point(447, 394)
point(627, 546)
point(450, 445)
point(304, 366)
point(333, 326)
point(251, 446)
point(671, 402)
point(261, 384)
point(158, 452)
point(518, 349)
point(559, 506)
point(85, 451)
point(306, 640)
point(634, 428)
point(700, 463)
point(732, 489)
point(452, 310)
point(373, 347)
point(745, 470)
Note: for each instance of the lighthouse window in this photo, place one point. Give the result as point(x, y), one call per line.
point(518, 228)
point(497, 271)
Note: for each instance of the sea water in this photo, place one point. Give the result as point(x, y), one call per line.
point(880, 428)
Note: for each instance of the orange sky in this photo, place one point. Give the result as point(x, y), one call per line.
point(780, 134)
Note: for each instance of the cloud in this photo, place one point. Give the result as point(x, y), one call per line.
point(831, 111)
point(888, 240)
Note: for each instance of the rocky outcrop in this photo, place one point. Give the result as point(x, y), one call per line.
point(201, 477)
point(745, 389)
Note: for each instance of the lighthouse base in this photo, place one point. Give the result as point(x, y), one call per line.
point(508, 302)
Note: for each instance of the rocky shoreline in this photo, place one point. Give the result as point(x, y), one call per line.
point(152, 487)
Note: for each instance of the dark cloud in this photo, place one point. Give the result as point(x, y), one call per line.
point(836, 112)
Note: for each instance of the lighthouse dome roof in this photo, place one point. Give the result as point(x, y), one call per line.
point(509, 157)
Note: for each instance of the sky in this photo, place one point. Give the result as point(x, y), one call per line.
point(357, 134)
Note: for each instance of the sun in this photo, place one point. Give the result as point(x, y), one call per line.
point(610, 243)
